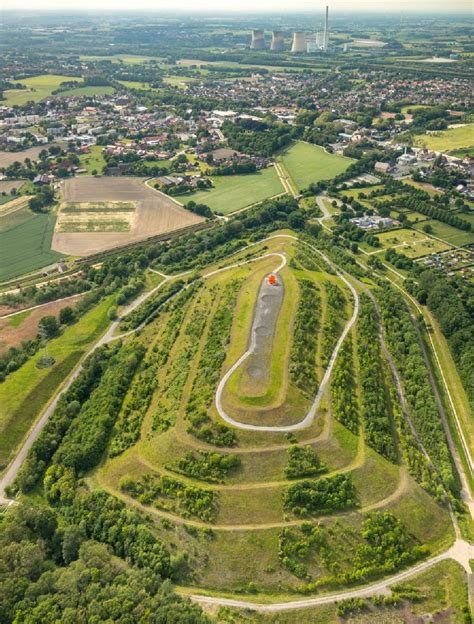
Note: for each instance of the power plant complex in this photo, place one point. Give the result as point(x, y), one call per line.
point(300, 43)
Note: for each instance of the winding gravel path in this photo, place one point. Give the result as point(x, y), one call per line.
point(309, 417)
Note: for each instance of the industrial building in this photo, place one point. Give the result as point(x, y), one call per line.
point(278, 41)
point(299, 42)
point(258, 40)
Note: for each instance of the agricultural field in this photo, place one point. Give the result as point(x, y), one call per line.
point(95, 217)
point(6, 186)
point(91, 91)
point(8, 158)
point(448, 140)
point(24, 325)
point(244, 501)
point(37, 88)
point(306, 163)
point(155, 214)
point(231, 193)
point(127, 59)
point(25, 242)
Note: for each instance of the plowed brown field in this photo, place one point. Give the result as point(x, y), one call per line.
point(155, 214)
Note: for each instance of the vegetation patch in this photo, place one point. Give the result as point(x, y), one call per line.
point(321, 497)
point(205, 465)
point(302, 461)
point(172, 495)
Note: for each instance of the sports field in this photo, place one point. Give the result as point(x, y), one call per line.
point(38, 88)
point(25, 244)
point(307, 163)
point(231, 193)
point(447, 140)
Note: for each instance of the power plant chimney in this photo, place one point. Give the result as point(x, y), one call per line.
point(258, 40)
point(326, 31)
point(299, 42)
point(278, 41)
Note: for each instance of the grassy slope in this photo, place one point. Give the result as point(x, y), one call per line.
point(230, 193)
point(25, 392)
point(308, 163)
point(448, 233)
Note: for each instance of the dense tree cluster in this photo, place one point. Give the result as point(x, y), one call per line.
point(172, 495)
point(148, 309)
point(208, 374)
point(302, 367)
point(205, 465)
point(51, 571)
point(343, 389)
point(86, 439)
point(260, 138)
point(322, 496)
point(332, 325)
point(302, 461)
point(452, 303)
point(378, 425)
point(404, 346)
point(69, 405)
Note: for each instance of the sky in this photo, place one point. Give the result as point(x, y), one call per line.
point(273, 6)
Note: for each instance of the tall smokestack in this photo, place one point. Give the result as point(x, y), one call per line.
point(326, 31)
point(278, 41)
point(299, 42)
point(258, 40)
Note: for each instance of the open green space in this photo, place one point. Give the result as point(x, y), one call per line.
point(128, 59)
point(447, 140)
point(131, 84)
point(410, 242)
point(231, 193)
point(25, 393)
point(38, 88)
point(448, 233)
point(93, 160)
point(26, 245)
point(306, 163)
point(90, 90)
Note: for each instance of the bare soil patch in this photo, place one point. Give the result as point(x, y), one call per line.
point(14, 329)
point(8, 158)
point(6, 186)
point(155, 214)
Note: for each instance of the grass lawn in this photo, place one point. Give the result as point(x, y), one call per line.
point(446, 140)
point(89, 90)
point(308, 163)
point(230, 193)
point(38, 88)
point(94, 160)
point(128, 59)
point(27, 245)
point(24, 393)
point(448, 233)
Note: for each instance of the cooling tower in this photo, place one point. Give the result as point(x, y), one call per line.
point(278, 41)
point(299, 42)
point(258, 40)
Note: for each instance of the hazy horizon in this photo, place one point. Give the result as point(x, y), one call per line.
point(239, 6)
